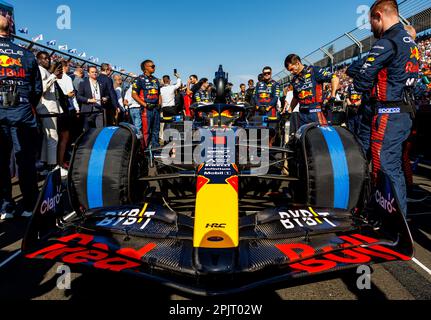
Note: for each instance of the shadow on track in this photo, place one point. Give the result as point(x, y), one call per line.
point(419, 215)
point(105, 286)
point(350, 280)
point(23, 281)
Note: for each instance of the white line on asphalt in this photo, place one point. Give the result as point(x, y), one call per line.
point(418, 214)
point(420, 264)
point(16, 254)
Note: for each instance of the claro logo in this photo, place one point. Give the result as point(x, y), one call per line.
point(387, 204)
point(51, 203)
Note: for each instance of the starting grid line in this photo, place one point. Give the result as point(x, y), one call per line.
point(420, 264)
point(5, 262)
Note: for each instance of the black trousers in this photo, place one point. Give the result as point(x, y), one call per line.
point(95, 120)
point(20, 139)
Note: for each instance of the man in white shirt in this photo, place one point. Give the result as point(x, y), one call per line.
point(49, 105)
point(65, 122)
point(167, 93)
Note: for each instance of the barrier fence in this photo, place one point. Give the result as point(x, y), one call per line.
point(75, 60)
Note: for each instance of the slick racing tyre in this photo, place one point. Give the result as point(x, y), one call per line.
point(331, 167)
point(105, 168)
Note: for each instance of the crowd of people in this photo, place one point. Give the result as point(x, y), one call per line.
point(67, 99)
point(424, 47)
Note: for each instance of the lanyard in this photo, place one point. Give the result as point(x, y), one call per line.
point(95, 87)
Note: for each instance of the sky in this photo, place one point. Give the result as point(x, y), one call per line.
point(193, 36)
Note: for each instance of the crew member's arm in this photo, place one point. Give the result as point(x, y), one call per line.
point(293, 104)
point(323, 76)
point(295, 101)
point(355, 67)
point(380, 54)
point(255, 98)
point(136, 88)
point(36, 83)
point(335, 82)
point(276, 95)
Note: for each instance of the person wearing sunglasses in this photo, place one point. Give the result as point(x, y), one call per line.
point(21, 90)
point(146, 92)
point(266, 94)
point(265, 99)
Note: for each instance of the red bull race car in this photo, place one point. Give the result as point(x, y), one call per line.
point(223, 222)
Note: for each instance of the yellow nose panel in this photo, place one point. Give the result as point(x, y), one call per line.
point(216, 216)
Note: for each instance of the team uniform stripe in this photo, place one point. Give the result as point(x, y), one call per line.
point(339, 167)
point(377, 137)
point(145, 128)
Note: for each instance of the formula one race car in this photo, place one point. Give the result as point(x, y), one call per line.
point(213, 211)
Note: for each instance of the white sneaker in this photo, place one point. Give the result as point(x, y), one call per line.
point(26, 214)
point(63, 172)
point(6, 216)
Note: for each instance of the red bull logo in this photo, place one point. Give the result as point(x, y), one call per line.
point(264, 95)
point(412, 67)
point(15, 73)
point(6, 61)
point(415, 53)
point(153, 91)
point(305, 94)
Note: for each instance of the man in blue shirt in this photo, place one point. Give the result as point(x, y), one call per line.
point(146, 92)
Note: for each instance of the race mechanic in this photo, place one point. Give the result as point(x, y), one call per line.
point(146, 92)
point(354, 101)
point(20, 90)
point(266, 94)
point(230, 96)
point(391, 72)
point(202, 95)
point(307, 85)
point(241, 96)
